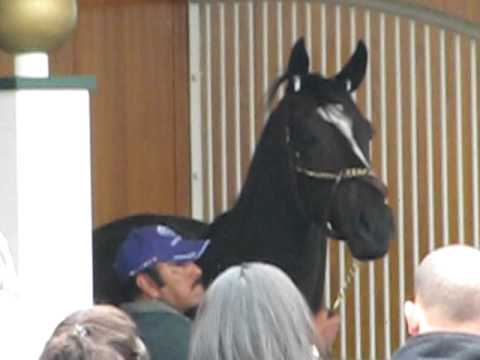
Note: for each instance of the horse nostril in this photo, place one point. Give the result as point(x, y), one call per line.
point(364, 223)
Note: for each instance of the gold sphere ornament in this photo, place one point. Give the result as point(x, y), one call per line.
point(36, 25)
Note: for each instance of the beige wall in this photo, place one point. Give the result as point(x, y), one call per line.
point(465, 9)
point(402, 171)
point(138, 49)
point(138, 52)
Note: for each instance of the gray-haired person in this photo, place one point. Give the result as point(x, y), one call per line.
point(254, 311)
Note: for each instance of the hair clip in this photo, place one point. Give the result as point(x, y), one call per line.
point(141, 352)
point(80, 330)
point(243, 267)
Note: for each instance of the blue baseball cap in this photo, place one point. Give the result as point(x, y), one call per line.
point(147, 245)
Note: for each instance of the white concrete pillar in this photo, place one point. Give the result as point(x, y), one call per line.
point(46, 202)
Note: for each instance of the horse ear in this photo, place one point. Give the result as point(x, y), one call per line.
point(353, 72)
point(299, 62)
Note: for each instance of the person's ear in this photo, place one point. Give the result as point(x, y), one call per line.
point(147, 285)
point(413, 315)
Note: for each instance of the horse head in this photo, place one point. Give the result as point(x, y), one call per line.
point(328, 143)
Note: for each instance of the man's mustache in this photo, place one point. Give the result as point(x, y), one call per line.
point(198, 281)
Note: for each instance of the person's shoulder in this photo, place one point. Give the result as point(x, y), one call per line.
point(152, 308)
point(166, 334)
point(436, 345)
point(168, 322)
point(175, 320)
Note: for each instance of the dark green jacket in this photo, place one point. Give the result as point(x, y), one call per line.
point(165, 331)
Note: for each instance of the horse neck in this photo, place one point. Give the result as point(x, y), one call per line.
point(268, 205)
point(266, 223)
point(287, 239)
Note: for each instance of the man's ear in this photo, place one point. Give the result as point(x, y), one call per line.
point(413, 315)
point(148, 286)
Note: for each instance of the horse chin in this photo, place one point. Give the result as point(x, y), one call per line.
point(365, 253)
point(370, 238)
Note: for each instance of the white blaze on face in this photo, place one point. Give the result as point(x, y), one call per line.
point(334, 114)
point(297, 83)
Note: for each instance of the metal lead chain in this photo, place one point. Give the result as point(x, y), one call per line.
point(347, 173)
point(348, 280)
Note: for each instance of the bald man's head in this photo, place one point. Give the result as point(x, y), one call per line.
point(447, 285)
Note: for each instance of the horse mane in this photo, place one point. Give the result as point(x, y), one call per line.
point(266, 221)
point(271, 172)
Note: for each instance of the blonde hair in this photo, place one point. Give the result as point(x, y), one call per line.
point(101, 332)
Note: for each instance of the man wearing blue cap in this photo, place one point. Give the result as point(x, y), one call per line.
point(161, 282)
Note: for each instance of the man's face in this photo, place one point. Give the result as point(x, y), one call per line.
point(182, 288)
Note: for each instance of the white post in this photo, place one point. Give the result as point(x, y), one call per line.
point(45, 204)
point(33, 65)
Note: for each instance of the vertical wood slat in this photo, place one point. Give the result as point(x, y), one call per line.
point(444, 143)
point(323, 47)
point(183, 191)
point(251, 65)
point(223, 111)
point(400, 162)
point(371, 266)
point(208, 117)
point(429, 140)
point(237, 132)
point(196, 157)
point(357, 279)
point(474, 126)
point(408, 143)
point(384, 175)
point(265, 47)
point(414, 146)
point(465, 128)
point(279, 44)
point(341, 254)
point(308, 25)
point(459, 140)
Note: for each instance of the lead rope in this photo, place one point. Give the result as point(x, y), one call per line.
point(347, 173)
point(348, 280)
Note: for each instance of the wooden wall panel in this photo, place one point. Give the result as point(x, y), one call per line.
point(6, 64)
point(464, 9)
point(407, 85)
point(140, 140)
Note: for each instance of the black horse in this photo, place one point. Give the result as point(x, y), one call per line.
point(310, 179)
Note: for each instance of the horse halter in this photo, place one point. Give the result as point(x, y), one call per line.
point(334, 114)
point(343, 174)
point(346, 173)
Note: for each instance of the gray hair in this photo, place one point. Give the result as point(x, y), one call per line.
point(447, 283)
point(253, 311)
point(101, 332)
